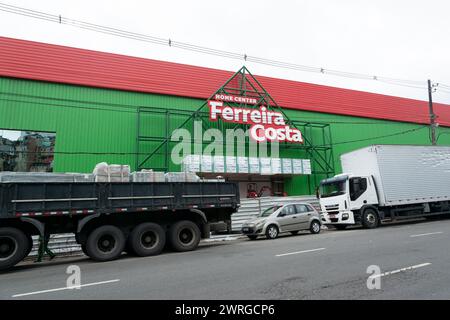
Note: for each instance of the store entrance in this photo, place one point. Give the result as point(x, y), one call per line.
point(253, 185)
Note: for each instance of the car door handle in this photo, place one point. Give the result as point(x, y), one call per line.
point(309, 214)
point(294, 217)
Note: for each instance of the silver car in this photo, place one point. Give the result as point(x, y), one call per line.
point(283, 218)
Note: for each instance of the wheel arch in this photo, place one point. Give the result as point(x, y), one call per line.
point(370, 206)
point(29, 226)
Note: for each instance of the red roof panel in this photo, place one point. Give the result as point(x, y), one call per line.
point(53, 63)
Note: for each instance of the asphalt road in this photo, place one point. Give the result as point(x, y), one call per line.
point(413, 257)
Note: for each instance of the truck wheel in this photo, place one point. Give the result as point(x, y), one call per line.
point(105, 243)
point(147, 239)
point(370, 218)
point(184, 236)
point(14, 246)
point(272, 232)
point(315, 227)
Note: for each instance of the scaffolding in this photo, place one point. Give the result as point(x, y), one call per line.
point(155, 127)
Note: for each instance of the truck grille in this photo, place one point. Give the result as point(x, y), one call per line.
point(332, 207)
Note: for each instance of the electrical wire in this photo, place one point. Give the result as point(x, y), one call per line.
point(378, 137)
point(201, 49)
point(440, 84)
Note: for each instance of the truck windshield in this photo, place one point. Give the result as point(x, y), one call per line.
point(333, 189)
point(269, 211)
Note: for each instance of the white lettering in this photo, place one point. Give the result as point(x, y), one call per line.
point(214, 110)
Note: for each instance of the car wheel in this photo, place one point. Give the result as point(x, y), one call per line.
point(184, 236)
point(272, 232)
point(370, 218)
point(294, 232)
point(105, 243)
point(315, 227)
point(147, 239)
point(252, 237)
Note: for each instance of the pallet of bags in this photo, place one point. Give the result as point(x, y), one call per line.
point(101, 172)
point(181, 177)
point(119, 173)
point(81, 177)
point(159, 176)
point(111, 173)
point(147, 176)
point(191, 177)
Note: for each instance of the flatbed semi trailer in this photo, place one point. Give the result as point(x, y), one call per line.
point(110, 218)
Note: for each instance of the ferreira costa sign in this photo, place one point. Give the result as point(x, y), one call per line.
point(266, 125)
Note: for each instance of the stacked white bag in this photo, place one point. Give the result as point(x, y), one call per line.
point(148, 176)
point(111, 173)
point(182, 177)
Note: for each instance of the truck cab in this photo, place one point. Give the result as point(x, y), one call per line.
point(344, 197)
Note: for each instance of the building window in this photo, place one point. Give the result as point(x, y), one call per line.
point(26, 151)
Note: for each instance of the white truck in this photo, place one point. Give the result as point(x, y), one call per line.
point(387, 182)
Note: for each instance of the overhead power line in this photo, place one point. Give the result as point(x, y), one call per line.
point(379, 137)
point(201, 49)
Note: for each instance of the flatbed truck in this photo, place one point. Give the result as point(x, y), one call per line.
point(111, 218)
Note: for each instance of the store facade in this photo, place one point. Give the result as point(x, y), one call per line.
point(72, 108)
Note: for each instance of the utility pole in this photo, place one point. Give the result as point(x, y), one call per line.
point(432, 115)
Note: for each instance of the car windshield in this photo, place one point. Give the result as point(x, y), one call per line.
point(269, 211)
point(332, 189)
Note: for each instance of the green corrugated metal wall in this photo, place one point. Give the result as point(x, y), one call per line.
point(94, 125)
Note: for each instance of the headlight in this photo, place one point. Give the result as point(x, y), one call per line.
point(345, 216)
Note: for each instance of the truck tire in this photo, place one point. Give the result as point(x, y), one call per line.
point(14, 246)
point(272, 232)
point(314, 228)
point(370, 218)
point(105, 243)
point(147, 239)
point(184, 236)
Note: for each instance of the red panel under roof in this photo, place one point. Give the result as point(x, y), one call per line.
point(53, 63)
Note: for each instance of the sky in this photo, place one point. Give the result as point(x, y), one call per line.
point(399, 39)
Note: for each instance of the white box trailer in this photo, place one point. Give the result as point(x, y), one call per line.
point(403, 174)
point(387, 182)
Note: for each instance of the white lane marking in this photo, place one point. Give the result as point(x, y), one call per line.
point(401, 270)
point(65, 288)
point(425, 234)
point(297, 252)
